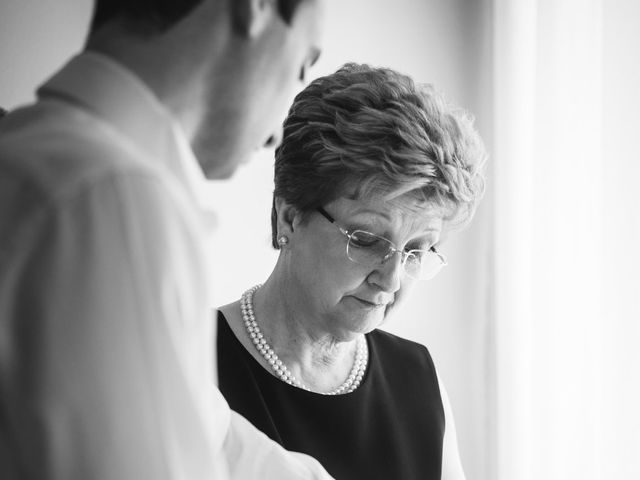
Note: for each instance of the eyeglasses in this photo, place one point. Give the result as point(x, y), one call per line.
point(372, 250)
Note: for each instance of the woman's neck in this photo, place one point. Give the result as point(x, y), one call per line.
point(313, 355)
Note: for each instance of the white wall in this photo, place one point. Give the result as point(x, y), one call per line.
point(444, 42)
point(36, 36)
point(621, 394)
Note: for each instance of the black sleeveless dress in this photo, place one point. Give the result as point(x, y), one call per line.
point(390, 428)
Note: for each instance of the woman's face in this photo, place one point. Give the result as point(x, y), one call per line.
point(343, 298)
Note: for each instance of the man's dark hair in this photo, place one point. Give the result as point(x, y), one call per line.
point(3, 112)
point(155, 16)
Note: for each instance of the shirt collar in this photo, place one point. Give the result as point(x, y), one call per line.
point(115, 94)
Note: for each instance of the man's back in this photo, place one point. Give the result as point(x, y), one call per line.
point(101, 260)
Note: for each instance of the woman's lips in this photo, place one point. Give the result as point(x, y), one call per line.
point(369, 304)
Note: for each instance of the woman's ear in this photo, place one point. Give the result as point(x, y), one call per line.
point(287, 217)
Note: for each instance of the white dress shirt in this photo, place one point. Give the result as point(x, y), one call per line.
point(106, 334)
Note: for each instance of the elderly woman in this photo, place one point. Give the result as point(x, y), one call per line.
point(371, 173)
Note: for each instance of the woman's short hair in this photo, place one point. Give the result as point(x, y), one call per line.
point(364, 129)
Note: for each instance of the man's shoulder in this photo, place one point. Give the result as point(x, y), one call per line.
point(52, 156)
point(56, 148)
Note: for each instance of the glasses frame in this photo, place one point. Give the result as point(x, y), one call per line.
point(393, 249)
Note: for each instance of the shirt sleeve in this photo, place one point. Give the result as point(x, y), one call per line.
point(95, 381)
point(451, 463)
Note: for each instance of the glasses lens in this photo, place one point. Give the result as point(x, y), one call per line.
point(368, 249)
point(423, 264)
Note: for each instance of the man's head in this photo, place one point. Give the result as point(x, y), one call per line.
point(227, 69)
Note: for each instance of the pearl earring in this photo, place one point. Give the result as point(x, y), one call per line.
point(283, 240)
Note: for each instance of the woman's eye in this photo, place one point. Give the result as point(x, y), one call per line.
point(364, 240)
point(420, 248)
point(415, 255)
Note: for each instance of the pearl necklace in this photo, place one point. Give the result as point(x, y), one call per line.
point(350, 384)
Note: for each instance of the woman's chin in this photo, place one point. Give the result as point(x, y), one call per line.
point(365, 323)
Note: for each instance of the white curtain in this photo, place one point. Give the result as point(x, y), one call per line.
point(566, 286)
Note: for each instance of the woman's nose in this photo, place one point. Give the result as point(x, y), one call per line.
point(388, 276)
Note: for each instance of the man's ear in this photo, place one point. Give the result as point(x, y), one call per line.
point(252, 17)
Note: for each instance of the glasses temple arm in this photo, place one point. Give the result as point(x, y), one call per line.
point(324, 213)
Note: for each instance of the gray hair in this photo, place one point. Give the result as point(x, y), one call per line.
point(364, 129)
